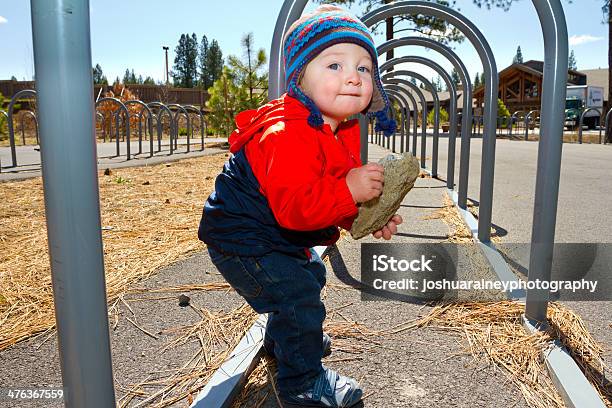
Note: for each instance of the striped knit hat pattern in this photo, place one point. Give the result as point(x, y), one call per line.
point(318, 33)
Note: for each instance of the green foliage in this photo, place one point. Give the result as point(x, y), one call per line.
point(443, 116)
point(247, 72)
point(184, 71)
point(210, 63)
point(455, 77)
point(98, 76)
point(121, 180)
point(476, 83)
point(502, 111)
point(182, 131)
point(4, 103)
point(518, 58)
point(227, 98)
point(571, 61)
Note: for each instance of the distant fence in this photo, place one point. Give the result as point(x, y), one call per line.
point(145, 93)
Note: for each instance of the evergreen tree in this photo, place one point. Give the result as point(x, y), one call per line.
point(227, 98)
point(214, 61)
point(455, 77)
point(571, 62)
point(203, 70)
point(98, 76)
point(482, 79)
point(518, 58)
point(184, 71)
point(149, 81)
point(476, 83)
point(247, 70)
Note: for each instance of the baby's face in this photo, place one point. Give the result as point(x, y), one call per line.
point(339, 80)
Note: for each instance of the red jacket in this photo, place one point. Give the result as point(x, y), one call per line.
point(301, 170)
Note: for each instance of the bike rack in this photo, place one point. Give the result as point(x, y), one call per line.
point(436, 135)
point(453, 107)
point(149, 124)
point(11, 129)
point(125, 110)
point(581, 122)
point(162, 109)
point(396, 84)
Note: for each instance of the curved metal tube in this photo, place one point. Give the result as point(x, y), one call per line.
point(409, 95)
point(485, 53)
point(149, 123)
point(416, 112)
point(202, 123)
point(11, 130)
point(582, 119)
point(395, 83)
point(163, 108)
point(180, 110)
point(526, 120)
point(466, 117)
point(127, 122)
point(33, 115)
point(450, 171)
point(554, 29)
point(607, 122)
point(434, 93)
point(403, 104)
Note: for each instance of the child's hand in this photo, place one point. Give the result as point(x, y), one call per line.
point(365, 182)
point(389, 229)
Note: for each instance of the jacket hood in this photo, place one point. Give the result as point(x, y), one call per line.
point(250, 122)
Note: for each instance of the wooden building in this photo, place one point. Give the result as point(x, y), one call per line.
point(520, 86)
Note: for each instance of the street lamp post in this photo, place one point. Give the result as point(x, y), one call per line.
point(166, 49)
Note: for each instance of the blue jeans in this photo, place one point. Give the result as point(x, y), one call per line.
point(288, 288)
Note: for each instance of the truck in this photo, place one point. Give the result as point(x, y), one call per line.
point(580, 98)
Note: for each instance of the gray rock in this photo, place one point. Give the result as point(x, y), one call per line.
point(401, 171)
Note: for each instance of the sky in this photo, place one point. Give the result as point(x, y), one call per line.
point(131, 33)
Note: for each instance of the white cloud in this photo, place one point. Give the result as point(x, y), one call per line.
point(583, 39)
point(3, 20)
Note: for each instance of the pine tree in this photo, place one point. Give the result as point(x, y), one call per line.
point(184, 71)
point(247, 70)
point(482, 79)
point(571, 63)
point(203, 70)
point(98, 76)
point(476, 81)
point(518, 58)
point(214, 61)
point(455, 77)
point(227, 98)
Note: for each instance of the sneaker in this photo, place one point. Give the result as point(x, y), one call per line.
point(330, 389)
point(268, 345)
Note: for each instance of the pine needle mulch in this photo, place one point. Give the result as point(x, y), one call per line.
point(149, 216)
point(458, 233)
point(217, 334)
point(494, 332)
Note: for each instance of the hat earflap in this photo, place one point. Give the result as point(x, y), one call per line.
point(385, 122)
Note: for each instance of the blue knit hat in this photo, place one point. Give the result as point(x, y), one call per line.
point(314, 35)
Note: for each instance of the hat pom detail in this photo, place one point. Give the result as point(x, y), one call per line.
point(384, 123)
